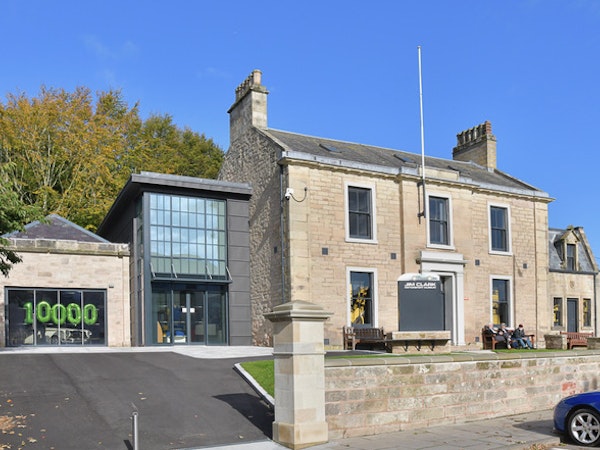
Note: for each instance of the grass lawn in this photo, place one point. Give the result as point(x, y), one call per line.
point(264, 374)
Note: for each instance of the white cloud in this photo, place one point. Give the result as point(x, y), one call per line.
point(97, 47)
point(213, 72)
point(103, 51)
point(110, 77)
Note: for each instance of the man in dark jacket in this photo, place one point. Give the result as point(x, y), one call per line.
point(520, 339)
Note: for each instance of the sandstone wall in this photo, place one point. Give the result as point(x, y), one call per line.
point(380, 395)
point(75, 265)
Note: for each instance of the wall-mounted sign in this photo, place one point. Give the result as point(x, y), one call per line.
point(420, 303)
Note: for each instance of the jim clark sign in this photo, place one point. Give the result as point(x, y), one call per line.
point(420, 303)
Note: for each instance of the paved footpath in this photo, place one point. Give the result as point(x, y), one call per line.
point(531, 431)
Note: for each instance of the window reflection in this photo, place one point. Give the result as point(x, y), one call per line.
point(56, 317)
point(192, 242)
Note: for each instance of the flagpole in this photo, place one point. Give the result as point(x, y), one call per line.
point(424, 213)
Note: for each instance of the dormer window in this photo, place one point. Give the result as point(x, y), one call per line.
point(566, 248)
point(571, 257)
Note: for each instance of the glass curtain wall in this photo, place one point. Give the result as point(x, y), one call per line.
point(55, 317)
point(188, 237)
point(188, 270)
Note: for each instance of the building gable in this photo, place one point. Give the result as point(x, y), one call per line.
point(55, 227)
point(559, 240)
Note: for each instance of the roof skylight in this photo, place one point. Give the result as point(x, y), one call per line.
point(330, 148)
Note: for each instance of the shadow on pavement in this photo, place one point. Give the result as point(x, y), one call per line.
point(539, 426)
point(246, 405)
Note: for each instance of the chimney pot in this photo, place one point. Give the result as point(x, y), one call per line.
point(477, 145)
point(250, 106)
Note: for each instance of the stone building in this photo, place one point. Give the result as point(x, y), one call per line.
point(365, 232)
point(572, 279)
point(169, 266)
point(339, 224)
point(71, 288)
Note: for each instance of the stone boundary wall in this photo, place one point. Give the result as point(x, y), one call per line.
point(367, 396)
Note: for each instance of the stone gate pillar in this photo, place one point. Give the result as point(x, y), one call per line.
point(299, 356)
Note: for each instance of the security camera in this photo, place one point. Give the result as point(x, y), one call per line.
point(289, 192)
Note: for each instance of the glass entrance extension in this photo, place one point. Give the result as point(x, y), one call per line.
point(188, 313)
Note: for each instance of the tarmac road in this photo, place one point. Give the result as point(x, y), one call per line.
point(83, 401)
point(189, 397)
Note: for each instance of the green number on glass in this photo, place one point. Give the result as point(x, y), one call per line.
point(74, 313)
point(44, 311)
point(59, 314)
point(28, 313)
point(90, 314)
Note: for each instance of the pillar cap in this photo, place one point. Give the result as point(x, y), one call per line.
point(298, 309)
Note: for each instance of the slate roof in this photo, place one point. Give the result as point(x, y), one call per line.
point(393, 161)
point(55, 227)
point(584, 256)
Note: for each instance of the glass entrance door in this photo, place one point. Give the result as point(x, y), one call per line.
point(215, 301)
point(188, 317)
point(180, 317)
point(196, 317)
point(188, 314)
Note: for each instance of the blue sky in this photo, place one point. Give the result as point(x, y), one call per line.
point(346, 70)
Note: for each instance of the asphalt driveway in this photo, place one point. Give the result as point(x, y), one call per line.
point(85, 401)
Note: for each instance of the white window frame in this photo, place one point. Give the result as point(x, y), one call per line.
point(508, 250)
point(371, 187)
point(450, 244)
point(511, 312)
point(375, 300)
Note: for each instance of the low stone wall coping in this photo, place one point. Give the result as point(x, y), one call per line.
point(68, 247)
point(419, 335)
point(593, 343)
point(388, 359)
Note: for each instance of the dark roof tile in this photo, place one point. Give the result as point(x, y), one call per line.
point(58, 228)
point(353, 153)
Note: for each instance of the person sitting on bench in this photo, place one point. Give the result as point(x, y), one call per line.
point(520, 339)
point(497, 334)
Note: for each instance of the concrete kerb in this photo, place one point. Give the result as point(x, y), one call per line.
point(254, 385)
point(193, 351)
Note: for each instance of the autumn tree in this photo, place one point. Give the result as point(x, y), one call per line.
point(69, 154)
point(166, 148)
point(13, 214)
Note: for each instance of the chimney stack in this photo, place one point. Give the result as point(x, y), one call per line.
point(249, 108)
point(477, 145)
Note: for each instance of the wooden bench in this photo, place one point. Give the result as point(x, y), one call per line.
point(359, 335)
point(490, 343)
point(436, 341)
point(576, 338)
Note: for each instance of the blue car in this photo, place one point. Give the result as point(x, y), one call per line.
point(578, 416)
